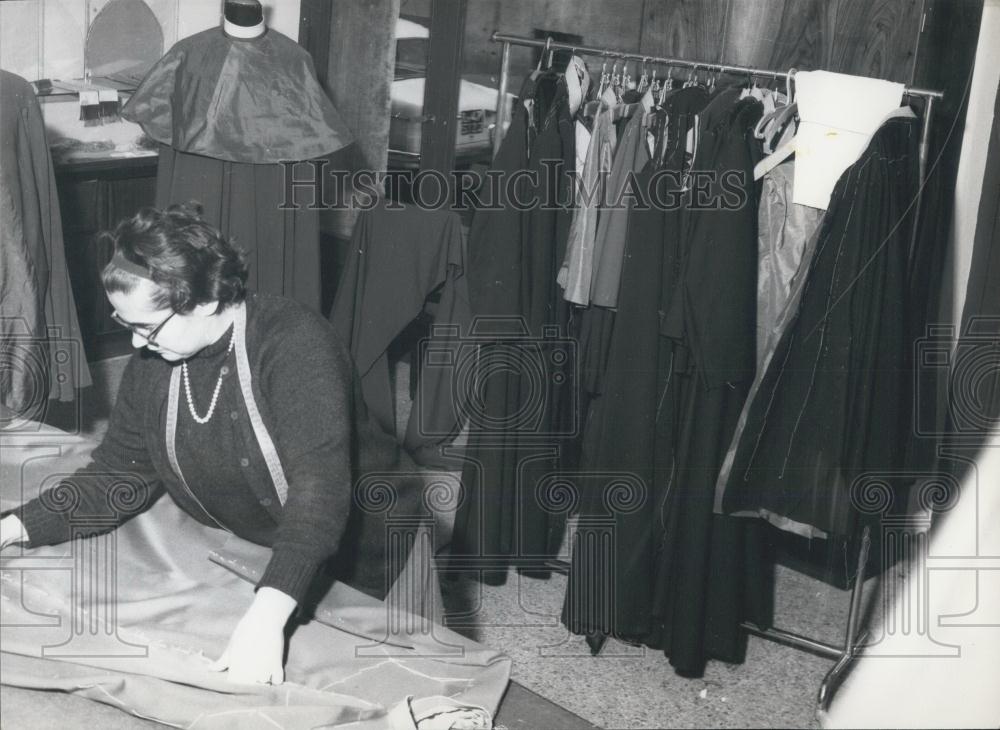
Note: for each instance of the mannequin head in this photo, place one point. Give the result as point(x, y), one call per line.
point(243, 18)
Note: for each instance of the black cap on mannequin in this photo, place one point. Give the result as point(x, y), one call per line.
point(243, 18)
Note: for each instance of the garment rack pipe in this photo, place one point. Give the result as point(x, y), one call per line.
point(852, 641)
point(550, 45)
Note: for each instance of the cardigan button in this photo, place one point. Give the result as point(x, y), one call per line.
point(266, 501)
point(225, 370)
point(244, 461)
point(234, 415)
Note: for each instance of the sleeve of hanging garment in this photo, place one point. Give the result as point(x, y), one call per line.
point(119, 482)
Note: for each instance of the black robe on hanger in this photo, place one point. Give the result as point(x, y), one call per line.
point(627, 432)
point(683, 579)
point(524, 411)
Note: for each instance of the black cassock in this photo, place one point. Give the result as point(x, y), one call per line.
point(521, 414)
point(652, 563)
point(227, 111)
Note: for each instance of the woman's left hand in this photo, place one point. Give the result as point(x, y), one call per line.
point(257, 646)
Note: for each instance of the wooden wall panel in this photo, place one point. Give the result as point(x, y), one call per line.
point(353, 46)
point(692, 29)
point(873, 37)
point(776, 34)
point(864, 37)
point(615, 23)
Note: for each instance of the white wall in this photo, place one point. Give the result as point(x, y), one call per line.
point(45, 38)
point(975, 142)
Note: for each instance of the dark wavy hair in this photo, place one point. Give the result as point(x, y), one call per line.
point(189, 259)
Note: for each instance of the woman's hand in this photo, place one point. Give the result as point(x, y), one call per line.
point(11, 531)
point(257, 645)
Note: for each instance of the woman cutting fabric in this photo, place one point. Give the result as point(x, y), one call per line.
point(244, 408)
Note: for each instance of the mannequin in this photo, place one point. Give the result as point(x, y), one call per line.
point(225, 146)
point(243, 19)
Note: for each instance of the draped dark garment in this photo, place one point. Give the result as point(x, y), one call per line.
point(676, 577)
point(244, 202)
point(522, 410)
point(625, 432)
point(397, 259)
point(828, 407)
point(227, 112)
point(42, 355)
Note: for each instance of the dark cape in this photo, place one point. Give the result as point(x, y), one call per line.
point(254, 100)
point(827, 416)
point(42, 355)
point(226, 111)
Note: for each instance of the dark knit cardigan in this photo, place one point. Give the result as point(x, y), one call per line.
point(339, 466)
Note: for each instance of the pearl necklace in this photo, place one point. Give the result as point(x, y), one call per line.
point(215, 395)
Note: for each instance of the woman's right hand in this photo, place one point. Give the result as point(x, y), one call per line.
point(11, 531)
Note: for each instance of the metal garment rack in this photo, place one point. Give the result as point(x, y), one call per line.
point(845, 653)
point(929, 95)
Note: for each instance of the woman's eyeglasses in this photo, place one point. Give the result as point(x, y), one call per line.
point(149, 335)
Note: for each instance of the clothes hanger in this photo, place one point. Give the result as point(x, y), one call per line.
point(576, 83)
point(591, 108)
point(643, 78)
point(665, 86)
point(583, 71)
point(775, 120)
point(529, 102)
point(538, 67)
point(785, 150)
point(639, 106)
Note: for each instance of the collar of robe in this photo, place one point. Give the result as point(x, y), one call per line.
point(235, 30)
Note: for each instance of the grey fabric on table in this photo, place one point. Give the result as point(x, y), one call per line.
point(169, 609)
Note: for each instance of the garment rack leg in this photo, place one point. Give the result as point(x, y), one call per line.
point(851, 640)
